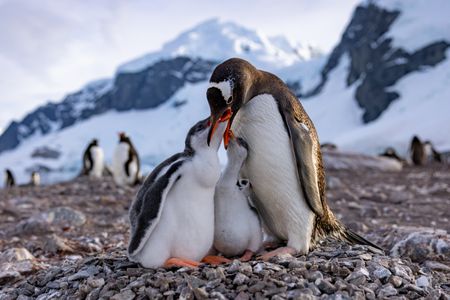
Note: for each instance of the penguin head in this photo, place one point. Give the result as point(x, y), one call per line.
point(124, 138)
point(197, 136)
point(416, 140)
point(94, 142)
point(228, 90)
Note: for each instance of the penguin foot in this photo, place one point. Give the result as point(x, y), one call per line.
point(271, 245)
point(180, 262)
point(279, 251)
point(248, 254)
point(215, 260)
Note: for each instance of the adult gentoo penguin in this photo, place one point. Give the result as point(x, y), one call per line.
point(172, 216)
point(93, 160)
point(35, 179)
point(125, 164)
point(237, 228)
point(284, 163)
point(9, 179)
point(418, 152)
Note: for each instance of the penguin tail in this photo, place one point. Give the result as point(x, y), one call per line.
point(353, 238)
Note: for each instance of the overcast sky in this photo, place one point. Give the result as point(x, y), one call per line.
point(51, 47)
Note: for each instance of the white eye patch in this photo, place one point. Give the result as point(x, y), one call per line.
point(225, 88)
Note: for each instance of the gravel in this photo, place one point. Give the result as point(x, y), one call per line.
point(80, 253)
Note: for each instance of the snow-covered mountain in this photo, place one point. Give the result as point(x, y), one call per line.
point(217, 40)
point(387, 79)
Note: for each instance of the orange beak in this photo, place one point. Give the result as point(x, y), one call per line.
point(228, 135)
point(214, 122)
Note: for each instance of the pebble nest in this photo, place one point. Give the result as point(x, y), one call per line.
point(68, 241)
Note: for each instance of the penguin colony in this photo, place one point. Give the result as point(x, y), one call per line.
point(126, 164)
point(186, 211)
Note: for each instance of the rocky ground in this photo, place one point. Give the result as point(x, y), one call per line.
point(68, 241)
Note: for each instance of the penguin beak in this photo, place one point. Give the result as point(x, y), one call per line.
point(215, 119)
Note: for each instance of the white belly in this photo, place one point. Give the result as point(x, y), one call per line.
point(237, 227)
point(98, 162)
point(271, 168)
point(118, 166)
point(186, 226)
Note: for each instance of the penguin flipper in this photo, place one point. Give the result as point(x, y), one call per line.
point(303, 148)
point(146, 209)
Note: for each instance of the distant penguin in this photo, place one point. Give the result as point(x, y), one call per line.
point(35, 179)
point(328, 147)
point(431, 153)
point(418, 153)
point(93, 160)
point(9, 179)
point(172, 216)
point(237, 229)
point(125, 164)
point(391, 153)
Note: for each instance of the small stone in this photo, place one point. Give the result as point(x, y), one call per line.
point(95, 282)
point(53, 285)
point(387, 291)
point(258, 268)
point(79, 275)
point(152, 293)
point(396, 281)
point(240, 279)
point(15, 255)
point(234, 266)
point(365, 256)
point(9, 275)
point(359, 272)
point(215, 273)
point(257, 287)
point(246, 269)
point(382, 274)
point(313, 276)
point(359, 281)
point(402, 272)
point(200, 293)
point(242, 296)
point(423, 281)
point(413, 288)
point(437, 266)
point(218, 295)
point(124, 295)
point(304, 294)
point(325, 286)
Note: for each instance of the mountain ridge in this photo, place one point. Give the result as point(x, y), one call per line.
point(369, 96)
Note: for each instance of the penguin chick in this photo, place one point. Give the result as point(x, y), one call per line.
point(237, 225)
point(172, 216)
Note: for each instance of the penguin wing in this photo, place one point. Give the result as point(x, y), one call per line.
point(303, 148)
point(146, 209)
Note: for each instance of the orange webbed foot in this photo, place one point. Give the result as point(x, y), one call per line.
point(248, 254)
point(278, 251)
point(215, 260)
point(180, 262)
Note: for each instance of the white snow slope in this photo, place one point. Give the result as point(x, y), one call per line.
point(218, 40)
point(423, 107)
